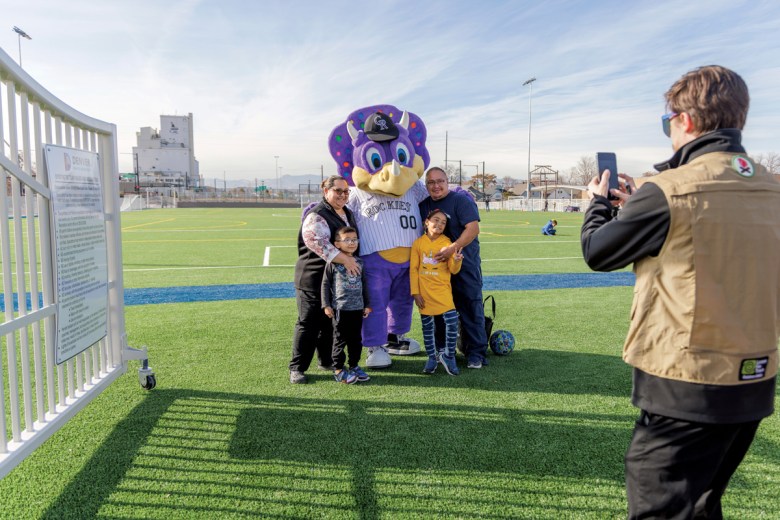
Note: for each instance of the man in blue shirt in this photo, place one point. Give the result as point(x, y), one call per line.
point(462, 229)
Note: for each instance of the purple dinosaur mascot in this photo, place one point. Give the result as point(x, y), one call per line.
point(380, 150)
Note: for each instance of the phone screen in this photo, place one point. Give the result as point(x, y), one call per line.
point(608, 161)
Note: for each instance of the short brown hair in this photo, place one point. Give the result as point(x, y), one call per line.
point(714, 96)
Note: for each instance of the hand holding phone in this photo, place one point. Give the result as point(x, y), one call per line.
point(608, 161)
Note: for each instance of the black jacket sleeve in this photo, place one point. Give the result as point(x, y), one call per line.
point(327, 283)
point(638, 231)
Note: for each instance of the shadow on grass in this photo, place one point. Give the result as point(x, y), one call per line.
point(198, 453)
point(529, 370)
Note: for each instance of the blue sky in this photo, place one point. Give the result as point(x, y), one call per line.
point(268, 78)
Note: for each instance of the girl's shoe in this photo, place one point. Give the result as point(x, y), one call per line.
point(449, 365)
point(430, 366)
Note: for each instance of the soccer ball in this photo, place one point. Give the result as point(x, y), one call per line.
point(502, 342)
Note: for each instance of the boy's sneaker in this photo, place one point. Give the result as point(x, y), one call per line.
point(430, 366)
point(297, 377)
point(360, 374)
point(449, 365)
point(345, 376)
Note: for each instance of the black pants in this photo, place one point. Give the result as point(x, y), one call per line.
point(346, 332)
point(680, 469)
point(313, 331)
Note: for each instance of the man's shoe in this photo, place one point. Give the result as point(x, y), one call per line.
point(326, 368)
point(399, 345)
point(378, 358)
point(297, 377)
point(430, 366)
point(362, 377)
point(474, 363)
point(449, 365)
point(345, 376)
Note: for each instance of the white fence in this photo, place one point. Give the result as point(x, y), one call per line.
point(36, 396)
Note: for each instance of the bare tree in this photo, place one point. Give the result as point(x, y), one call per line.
point(770, 161)
point(583, 171)
point(451, 169)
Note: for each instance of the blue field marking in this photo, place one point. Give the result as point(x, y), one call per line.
point(213, 293)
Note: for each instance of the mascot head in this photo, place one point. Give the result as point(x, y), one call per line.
point(380, 149)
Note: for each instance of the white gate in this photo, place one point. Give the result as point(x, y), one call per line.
point(36, 396)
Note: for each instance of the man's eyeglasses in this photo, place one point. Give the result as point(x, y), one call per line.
point(350, 241)
point(434, 183)
point(666, 122)
point(340, 192)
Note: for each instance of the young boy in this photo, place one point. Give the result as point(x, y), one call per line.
point(432, 291)
point(549, 228)
point(345, 301)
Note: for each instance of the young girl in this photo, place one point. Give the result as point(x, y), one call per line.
point(432, 292)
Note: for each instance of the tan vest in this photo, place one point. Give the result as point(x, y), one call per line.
point(707, 308)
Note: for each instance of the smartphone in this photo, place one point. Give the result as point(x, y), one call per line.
point(608, 161)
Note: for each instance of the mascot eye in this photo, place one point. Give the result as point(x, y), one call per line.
point(374, 158)
point(402, 153)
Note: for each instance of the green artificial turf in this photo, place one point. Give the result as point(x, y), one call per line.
point(538, 434)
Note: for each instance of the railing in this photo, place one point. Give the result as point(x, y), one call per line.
point(37, 396)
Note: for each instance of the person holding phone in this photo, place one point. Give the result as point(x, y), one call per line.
point(704, 238)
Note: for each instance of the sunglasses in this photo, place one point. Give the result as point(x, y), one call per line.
point(666, 122)
point(340, 192)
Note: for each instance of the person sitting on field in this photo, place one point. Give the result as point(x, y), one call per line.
point(549, 228)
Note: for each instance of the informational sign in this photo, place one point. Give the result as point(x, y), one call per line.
point(80, 249)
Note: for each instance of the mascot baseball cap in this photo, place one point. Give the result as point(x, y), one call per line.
point(379, 127)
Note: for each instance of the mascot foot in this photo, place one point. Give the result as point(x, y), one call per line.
point(378, 358)
point(401, 346)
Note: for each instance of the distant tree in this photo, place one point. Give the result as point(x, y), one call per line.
point(770, 161)
point(583, 171)
point(453, 175)
point(509, 182)
point(489, 179)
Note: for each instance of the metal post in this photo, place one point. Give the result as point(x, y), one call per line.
point(530, 94)
point(276, 158)
point(21, 35)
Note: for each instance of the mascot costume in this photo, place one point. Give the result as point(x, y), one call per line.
point(381, 151)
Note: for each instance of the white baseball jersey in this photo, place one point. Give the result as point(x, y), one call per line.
point(386, 222)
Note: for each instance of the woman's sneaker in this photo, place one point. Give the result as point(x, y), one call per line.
point(360, 374)
point(449, 365)
point(345, 376)
point(430, 366)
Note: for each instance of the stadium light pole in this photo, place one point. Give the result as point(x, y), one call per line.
point(476, 177)
point(21, 35)
point(530, 95)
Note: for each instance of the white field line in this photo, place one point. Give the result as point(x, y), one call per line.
point(539, 259)
point(542, 241)
point(532, 259)
point(200, 268)
point(242, 230)
point(267, 255)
